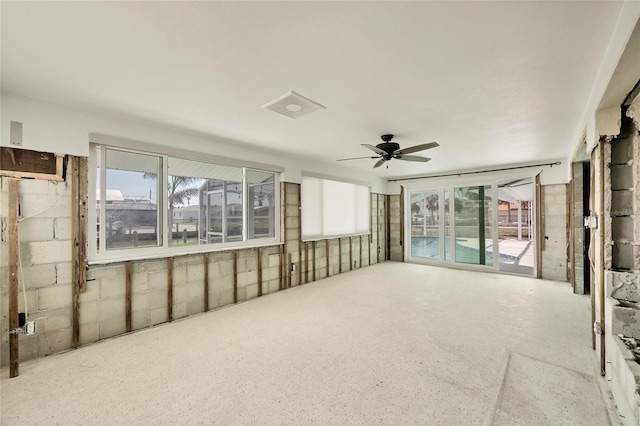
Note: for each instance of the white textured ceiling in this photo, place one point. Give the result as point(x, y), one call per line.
point(493, 82)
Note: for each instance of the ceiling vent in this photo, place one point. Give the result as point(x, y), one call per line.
point(293, 105)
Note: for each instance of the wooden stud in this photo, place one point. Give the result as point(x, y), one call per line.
point(601, 228)
point(539, 226)
point(281, 274)
point(14, 370)
point(327, 254)
point(127, 295)
point(361, 255)
point(235, 276)
point(571, 271)
point(402, 222)
point(306, 262)
point(206, 281)
point(259, 272)
point(339, 255)
point(387, 227)
point(78, 173)
point(300, 234)
point(170, 289)
point(289, 270)
point(313, 254)
point(350, 253)
point(592, 245)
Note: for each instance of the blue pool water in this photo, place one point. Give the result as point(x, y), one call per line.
point(429, 248)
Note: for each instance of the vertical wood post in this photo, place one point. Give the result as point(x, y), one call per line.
point(206, 281)
point(402, 221)
point(288, 270)
point(306, 262)
point(13, 278)
point(281, 274)
point(350, 253)
point(361, 255)
point(313, 254)
point(327, 254)
point(539, 226)
point(339, 255)
point(601, 228)
point(259, 272)
point(235, 276)
point(387, 227)
point(300, 233)
point(170, 289)
point(127, 295)
point(78, 173)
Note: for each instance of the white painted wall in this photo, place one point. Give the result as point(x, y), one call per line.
point(55, 128)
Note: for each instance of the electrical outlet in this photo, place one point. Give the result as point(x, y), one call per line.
point(30, 328)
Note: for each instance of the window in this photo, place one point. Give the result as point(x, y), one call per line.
point(331, 208)
point(150, 203)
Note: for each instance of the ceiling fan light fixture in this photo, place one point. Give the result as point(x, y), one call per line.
point(293, 105)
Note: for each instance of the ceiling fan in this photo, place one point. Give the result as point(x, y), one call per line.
point(388, 150)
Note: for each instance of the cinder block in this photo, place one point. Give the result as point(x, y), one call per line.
point(113, 327)
point(621, 203)
point(626, 321)
point(179, 275)
point(623, 286)
point(89, 333)
point(36, 229)
point(35, 276)
point(158, 280)
point(92, 293)
point(157, 316)
point(88, 313)
point(196, 289)
point(45, 205)
point(112, 287)
point(180, 293)
point(46, 252)
point(56, 296)
point(54, 341)
point(63, 228)
point(32, 300)
point(195, 305)
point(157, 299)
point(621, 177)
point(251, 291)
point(139, 282)
point(63, 272)
point(106, 271)
point(225, 297)
point(28, 347)
point(622, 257)
point(140, 319)
point(109, 309)
point(622, 228)
point(179, 310)
point(195, 273)
point(140, 301)
point(36, 186)
point(150, 265)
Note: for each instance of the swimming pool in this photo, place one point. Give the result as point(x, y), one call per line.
point(429, 248)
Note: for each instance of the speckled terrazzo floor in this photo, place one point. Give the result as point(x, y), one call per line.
point(388, 344)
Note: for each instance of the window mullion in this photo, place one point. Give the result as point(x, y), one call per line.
point(164, 233)
point(103, 199)
point(245, 204)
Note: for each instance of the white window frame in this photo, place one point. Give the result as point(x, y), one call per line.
point(165, 249)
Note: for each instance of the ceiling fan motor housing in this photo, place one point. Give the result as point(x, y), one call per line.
point(389, 148)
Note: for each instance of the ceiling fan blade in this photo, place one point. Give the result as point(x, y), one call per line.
point(414, 158)
point(374, 149)
point(379, 163)
point(416, 148)
point(356, 158)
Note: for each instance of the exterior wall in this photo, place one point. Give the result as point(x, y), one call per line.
point(46, 250)
point(622, 264)
point(578, 229)
point(554, 253)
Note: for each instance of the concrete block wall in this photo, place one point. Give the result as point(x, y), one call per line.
point(395, 228)
point(45, 242)
point(44, 231)
point(554, 254)
point(578, 231)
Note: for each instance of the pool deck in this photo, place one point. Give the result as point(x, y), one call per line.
point(521, 249)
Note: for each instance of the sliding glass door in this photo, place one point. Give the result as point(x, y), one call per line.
point(486, 226)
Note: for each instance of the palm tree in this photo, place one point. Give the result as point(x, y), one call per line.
point(179, 190)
